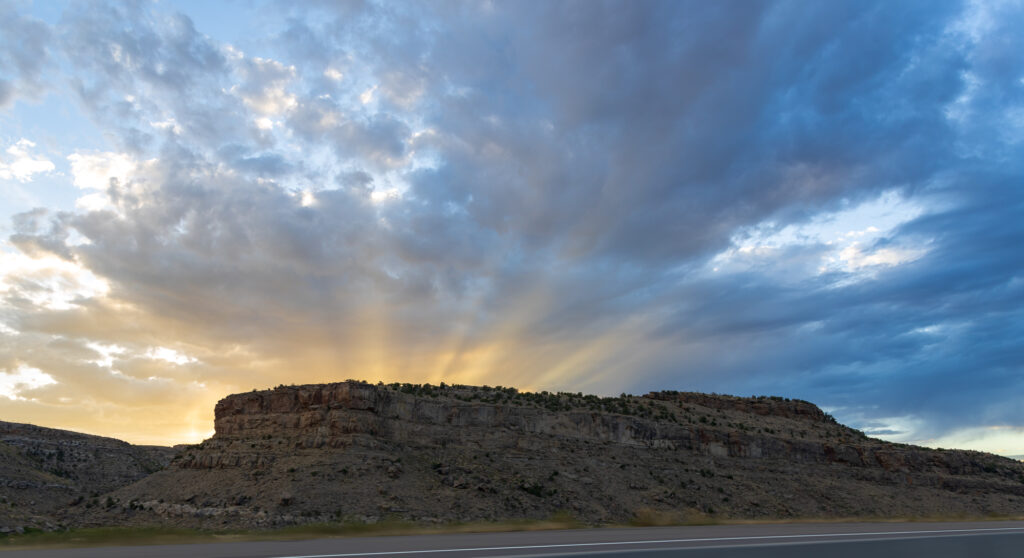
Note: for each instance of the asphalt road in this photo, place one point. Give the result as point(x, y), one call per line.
point(835, 540)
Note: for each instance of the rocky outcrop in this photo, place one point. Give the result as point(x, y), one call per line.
point(763, 406)
point(360, 451)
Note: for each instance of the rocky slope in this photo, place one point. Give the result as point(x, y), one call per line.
point(43, 471)
point(352, 450)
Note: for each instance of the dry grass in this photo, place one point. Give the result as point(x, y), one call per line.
point(878, 519)
point(131, 536)
point(647, 517)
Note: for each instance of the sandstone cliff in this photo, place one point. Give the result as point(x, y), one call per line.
point(360, 451)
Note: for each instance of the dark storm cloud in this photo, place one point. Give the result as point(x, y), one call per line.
point(652, 134)
point(934, 338)
point(564, 174)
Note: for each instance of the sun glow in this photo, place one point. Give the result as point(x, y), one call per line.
point(48, 281)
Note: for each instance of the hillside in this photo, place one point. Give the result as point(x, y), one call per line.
point(44, 470)
point(363, 452)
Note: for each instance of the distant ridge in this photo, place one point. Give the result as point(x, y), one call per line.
point(43, 470)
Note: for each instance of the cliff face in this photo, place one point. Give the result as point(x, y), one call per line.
point(44, 470)
point(335, 415)
point(355, 450)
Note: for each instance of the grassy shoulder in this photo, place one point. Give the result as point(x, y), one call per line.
point(140, 536)
point(131, 536)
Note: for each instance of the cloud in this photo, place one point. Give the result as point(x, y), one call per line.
point(264, 87)
point(97, 171)
point(24, 52)
point(134, 67)
point(20, 164)
point(22, 379)
point(377, 140)
point(784, 198)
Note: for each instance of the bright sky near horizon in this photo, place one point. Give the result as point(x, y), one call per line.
point(820, 200)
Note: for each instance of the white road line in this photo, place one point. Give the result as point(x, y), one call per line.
point(666, 541)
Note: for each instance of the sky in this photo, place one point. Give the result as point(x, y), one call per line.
point(816, 200)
